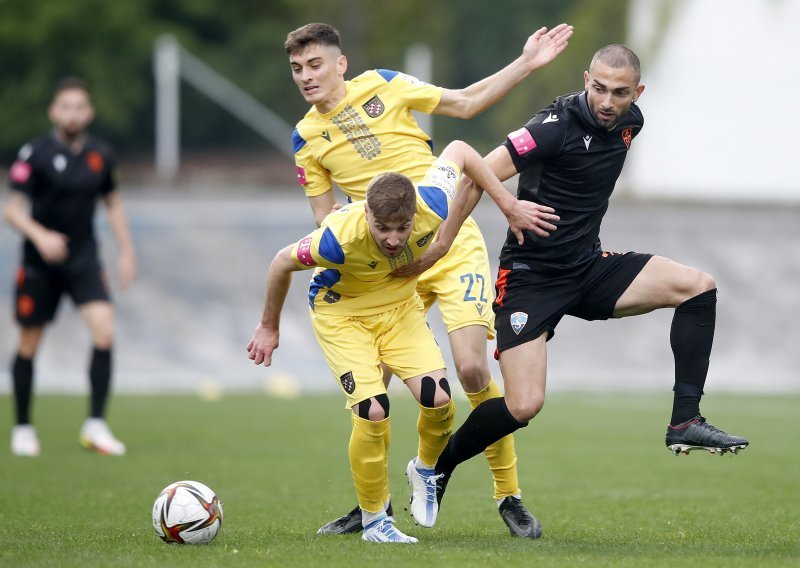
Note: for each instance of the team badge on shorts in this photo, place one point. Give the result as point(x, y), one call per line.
point(374, 107)
point(518, 321)
point(348, 384)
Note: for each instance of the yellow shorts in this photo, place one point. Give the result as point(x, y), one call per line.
point(355, 346)
point(462, 283)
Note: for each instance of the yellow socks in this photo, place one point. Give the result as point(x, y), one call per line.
point(369, 444)
point(434, 426)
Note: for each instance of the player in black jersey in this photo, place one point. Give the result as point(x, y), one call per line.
point(569, 157)
point(55, 184)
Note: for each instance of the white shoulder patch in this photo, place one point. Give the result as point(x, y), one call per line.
point(25, 152)
point(443, 174)
point(411, 79)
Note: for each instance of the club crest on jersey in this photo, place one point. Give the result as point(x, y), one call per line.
point(518, 321)
point(95, 162)
point(627, 136)
point(348, 383)
point(424, 240)
point(374, 107)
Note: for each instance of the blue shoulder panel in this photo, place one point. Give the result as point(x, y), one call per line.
point(387, 74)
point(297, 141)
point(435, 198)
point(330, 248)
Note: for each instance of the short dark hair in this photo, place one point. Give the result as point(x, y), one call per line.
point(617, 55)
point(391, 197)
point(68, 84)
point(311, 34)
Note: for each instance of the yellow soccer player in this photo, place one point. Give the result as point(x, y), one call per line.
point(365, 317)
point(362, 127)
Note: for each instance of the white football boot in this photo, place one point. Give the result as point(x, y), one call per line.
point(24, 441)
point(382, 529)
point(96, 435)
point(424, 505)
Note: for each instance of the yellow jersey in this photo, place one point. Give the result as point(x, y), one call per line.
point(371, 131)
point(352, 276)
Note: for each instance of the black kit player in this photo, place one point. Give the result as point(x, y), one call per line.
point(569, 156)
point(55, 184)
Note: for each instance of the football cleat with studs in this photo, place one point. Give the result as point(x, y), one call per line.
point(348, 523)
point(382, 529)
point(424, 504)
point(518, 518)
point(96, 436)
point(697, 434)
point(24, 441)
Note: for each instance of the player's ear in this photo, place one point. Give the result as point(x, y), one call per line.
point(586, 80)
point(638, 92)
point(341, 65)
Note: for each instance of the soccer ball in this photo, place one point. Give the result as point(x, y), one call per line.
point(187, 512)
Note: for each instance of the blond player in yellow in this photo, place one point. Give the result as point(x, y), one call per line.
point(365, 318)
point(359, 128)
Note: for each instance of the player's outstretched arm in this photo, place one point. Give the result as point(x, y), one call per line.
point(118, 220)
point(540, 49)
point(466, 198)
point(266, 335)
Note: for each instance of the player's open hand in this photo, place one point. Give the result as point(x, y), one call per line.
point(421, 264)
point(544, 46)
point(53, 246)
point(262, 345)
point(530, 216)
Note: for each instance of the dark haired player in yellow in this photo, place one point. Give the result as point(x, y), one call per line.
point(55, 184)
point(365, 318)
point(362, 127)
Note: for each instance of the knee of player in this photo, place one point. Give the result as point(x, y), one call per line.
point(706, 282)
point(473, 373)
point(434, 393)
point(524, 409)
point(103, 339)
point(374, 409)
point(699, 283)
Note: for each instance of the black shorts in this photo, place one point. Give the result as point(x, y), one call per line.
point(530, 303)
point(39, 287)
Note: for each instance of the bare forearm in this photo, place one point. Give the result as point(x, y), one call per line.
point(474, 99)
point(118, 219)
point(279, 279)
point(16, 215)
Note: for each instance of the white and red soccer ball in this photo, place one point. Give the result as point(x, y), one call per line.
point(187, 512)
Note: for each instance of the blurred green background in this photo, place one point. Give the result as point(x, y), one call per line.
point(110, 44)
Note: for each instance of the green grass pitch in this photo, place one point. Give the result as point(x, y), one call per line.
point(593, 468)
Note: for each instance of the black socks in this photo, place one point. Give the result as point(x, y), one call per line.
point(100, 379)
point(691, 338)
point(22, 375)
point(487, 423)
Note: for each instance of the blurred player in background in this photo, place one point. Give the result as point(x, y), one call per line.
point(364, 318)
point(362, 127)
point(569, 156)
point(55, 184)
